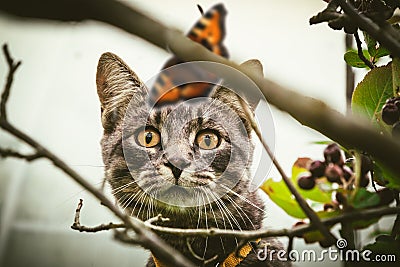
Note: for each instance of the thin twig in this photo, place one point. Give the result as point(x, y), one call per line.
point(348, 131)
point(158, 246)
point(298, 231)
point(384, 33)
point(6, 91)
point(290, 245)
point(360, 52)
point(102, 227)
point(158, 218)
point(299, 198)
point(250, 235)
point(4, 153)
point(349, 75)
point(396, 224)
point(122, 236)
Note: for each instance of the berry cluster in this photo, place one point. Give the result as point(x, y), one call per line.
point(391, 114)
point(334, 169)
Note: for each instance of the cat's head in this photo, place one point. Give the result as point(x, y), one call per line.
point(182, 155)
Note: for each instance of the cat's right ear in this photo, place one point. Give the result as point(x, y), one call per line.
point(116, 85)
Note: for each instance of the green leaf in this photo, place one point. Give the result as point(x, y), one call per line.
point(363, 224)
point(351, 57)
point(385, 245)
point(315, 194)
point(281, 196)
point(364, 199)
point(396, 76)
point(381, 52)
point(371, 93)
point(371, 44)
point(386, 178)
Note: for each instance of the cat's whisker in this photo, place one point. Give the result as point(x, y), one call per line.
point(141, 201)
point(231, 216)
point(242, 197)
point(211, 208)
point(206, 221)
point(120, 188)
point(128, 201)
point(200, 210)
point(224, 207)
point(216, 222)
point(239, 211)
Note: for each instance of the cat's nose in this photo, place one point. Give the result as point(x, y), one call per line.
point(178, 164)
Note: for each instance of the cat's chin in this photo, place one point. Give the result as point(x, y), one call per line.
point(178, 196)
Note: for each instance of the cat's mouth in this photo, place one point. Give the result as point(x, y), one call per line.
point(174, 191)
point(179, 195)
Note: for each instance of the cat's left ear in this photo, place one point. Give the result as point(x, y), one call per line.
point(116, 85)
point(234, 101)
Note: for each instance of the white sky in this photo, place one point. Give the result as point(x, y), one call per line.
point(54, 99)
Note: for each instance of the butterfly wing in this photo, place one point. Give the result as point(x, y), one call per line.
point(209, 31)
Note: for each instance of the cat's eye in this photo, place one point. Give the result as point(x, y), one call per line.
point(148, 137)
point(207, 139)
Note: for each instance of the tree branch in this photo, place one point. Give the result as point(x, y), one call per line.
point(360, 52)
point(383, 33)
point(298, 231)
point(4, 153)
point(347, 217)
point(348, 131)
point(311, 214)
point(158, 246)
point(6, 91)
point(102, 227)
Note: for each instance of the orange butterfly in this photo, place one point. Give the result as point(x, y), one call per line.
point(209, 31)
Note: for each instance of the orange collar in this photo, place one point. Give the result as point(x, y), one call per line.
point(233, 259)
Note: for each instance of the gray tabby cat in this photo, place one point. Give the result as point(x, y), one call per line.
point(152, 157)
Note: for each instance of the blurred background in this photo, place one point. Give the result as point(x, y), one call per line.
point(54, 100)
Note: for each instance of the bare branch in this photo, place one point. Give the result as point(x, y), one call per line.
point(155, 219)
point(158, 246)
point(125, 238)
point(6, 91)
point(360, 52)
point(311, 214)
point(358, 215)
point(348, 131)
point(4, 153)
point(383, 33)
point(102, 227)
point(349, 75)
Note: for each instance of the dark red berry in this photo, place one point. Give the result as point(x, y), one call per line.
point(385, 238)
point(333, 173)
point(341, 199)
point(333, 154)
point(364, 181)
point(347, 172)
point(396, 129)
point(336, 24)
point(397, 103)
point(391, 100)
point(317, 168)
point(366, 164)
point(328, 206)
point(299, 223)
point(306, 182)
point(390, 113)
point(385, 197)
point(325, 243)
